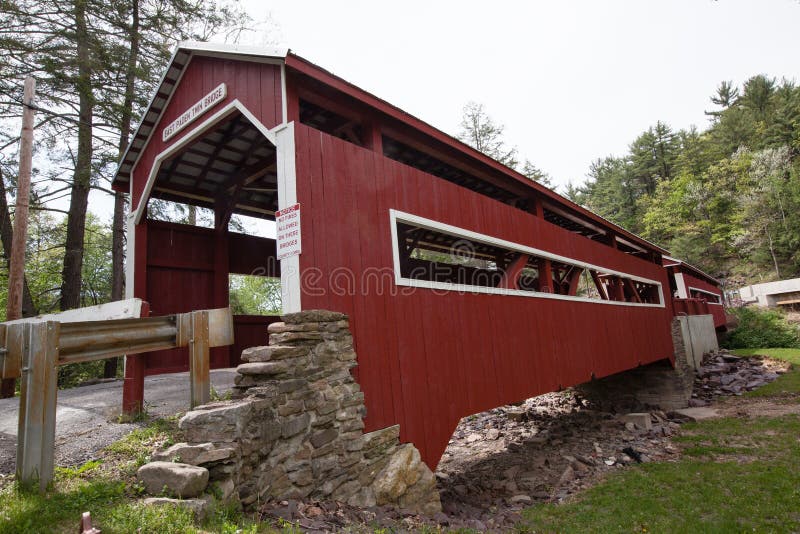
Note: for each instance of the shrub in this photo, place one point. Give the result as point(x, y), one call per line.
point(760, 328)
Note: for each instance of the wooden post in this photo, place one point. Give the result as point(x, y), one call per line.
point(545, 276)
point(16, 271)
point(135, 364)
point(199, 359)
point(511, 276)
point(37, 409)
point(538, 208)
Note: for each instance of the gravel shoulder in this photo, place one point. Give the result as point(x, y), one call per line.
point(86, 417)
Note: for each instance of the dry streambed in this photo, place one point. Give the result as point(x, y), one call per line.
point(545, 449)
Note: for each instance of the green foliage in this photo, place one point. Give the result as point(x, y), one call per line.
point(726, 199)
point(479, 131)
point(32, 512)
point(255, 295)
point(762, 328)
point(76, 374)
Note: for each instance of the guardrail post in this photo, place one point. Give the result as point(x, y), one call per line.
point(37, 407)
point(199, 359)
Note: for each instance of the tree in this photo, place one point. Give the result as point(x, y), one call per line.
point(479, 131)
point(255, 295)
point(610, 192)
point(6, 235)
point(726, 96)
point(535, 173)
point(726, 199)
point(653, 156)
point(96, 62)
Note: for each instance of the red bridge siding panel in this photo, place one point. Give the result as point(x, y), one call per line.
point(427, 358)
point(181, 278)
point(249, 331)
point(253, 84)
point(716, 310)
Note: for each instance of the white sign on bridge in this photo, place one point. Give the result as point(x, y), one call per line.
point(188, 116)
point(288, 231)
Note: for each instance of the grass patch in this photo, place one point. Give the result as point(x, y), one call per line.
point(134, 450)
point(787, 385)
point(755, 490)
point(107, 488)
point(737, 475)
point(790, 355)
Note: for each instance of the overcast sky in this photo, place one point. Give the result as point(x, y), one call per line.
point(571, 81)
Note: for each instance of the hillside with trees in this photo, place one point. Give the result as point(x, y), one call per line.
point(726, 199)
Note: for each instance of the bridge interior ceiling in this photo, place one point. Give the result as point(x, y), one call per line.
point(438, 256)
point(231, 168)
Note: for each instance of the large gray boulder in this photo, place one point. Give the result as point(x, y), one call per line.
point(182, 480)
point(202, 453)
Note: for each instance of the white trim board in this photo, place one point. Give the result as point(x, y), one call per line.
point(287, 196)
point(707, 293)
point(395, 216)
point(680, 285)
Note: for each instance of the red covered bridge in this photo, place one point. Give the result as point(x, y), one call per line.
point(468, 285)
point(695, 292)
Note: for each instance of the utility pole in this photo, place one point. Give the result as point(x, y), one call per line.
point(16, 271)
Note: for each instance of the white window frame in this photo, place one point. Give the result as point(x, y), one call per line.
point(707, 293)
point(396, 216)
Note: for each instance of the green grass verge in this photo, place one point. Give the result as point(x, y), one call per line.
point(737, 475)
point(786, 385)
point(109, 491)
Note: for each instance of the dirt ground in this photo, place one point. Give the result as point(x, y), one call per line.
point(547, 449)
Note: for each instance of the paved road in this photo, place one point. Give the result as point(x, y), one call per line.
point(86, 416)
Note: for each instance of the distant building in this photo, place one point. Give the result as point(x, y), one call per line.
point(771, 294)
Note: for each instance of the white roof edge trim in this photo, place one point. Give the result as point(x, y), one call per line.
point(146, 111)
point(679, 262)
point(267, 51)
point(189, 47)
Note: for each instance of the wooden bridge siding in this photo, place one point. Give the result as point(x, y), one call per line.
point(426, 360)
point(183, 275)
point(256, 85)
point(717, 311)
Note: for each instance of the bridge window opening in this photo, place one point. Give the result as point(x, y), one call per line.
point(429, 163)
point(709, 297)
point(587, 287)
point(331, 123)
point(430, 254)
point(439, 257)
point(180, 213)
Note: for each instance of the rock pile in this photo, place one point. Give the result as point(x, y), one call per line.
point(544, 449)
point(723, 373)
point(295, 430)
point(554, 445)
point(185, 481)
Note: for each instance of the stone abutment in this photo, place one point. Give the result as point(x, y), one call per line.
point(294, 428)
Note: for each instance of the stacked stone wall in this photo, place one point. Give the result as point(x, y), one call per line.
point(295, 426)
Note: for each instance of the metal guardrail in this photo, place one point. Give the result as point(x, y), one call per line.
point(33, 351)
